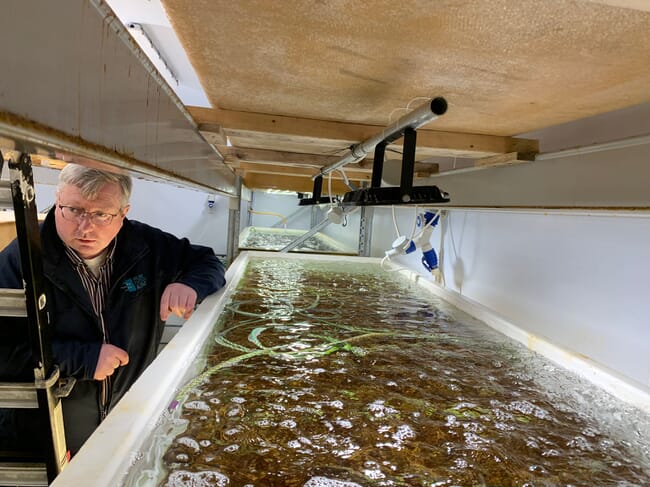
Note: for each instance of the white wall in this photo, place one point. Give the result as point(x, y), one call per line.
point(183, 212)
point(285, 205)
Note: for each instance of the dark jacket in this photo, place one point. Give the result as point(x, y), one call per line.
point(146, 260)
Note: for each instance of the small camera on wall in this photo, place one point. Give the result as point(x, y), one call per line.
point(211, 203)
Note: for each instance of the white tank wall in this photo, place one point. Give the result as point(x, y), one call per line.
point(348, 235)
point(579, 281)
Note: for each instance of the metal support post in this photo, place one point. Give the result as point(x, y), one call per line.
point(378, 164)
point(234, 215)
point(365, 230)
point(314, 216)
point(408, 164)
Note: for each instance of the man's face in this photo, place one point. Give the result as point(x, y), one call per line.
point(81, 228)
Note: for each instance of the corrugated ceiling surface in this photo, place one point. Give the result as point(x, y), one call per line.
point(505, 66)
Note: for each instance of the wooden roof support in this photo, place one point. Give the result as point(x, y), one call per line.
point(254, 167)
point(299, 184)
point(284, 157)
point(216, 124)
point(307, 165)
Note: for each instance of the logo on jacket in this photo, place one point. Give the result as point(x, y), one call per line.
point(132, 284)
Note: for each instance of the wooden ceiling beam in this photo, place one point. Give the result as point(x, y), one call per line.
point(256, 167)
point(298, 184)
point(215, 125)
point(283, 157)
point(281, 161)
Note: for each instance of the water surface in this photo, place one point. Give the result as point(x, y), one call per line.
point(342, 375)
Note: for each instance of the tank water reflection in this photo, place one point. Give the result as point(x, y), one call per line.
point(261, 238)
point(324, 375)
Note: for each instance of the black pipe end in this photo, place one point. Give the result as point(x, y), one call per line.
point(438, 105)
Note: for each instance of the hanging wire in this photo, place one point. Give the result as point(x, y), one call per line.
point(415, 223)
point(345, 176)
point(329, 188)
point(443, 283)
point(397, 234)
point(407, 107)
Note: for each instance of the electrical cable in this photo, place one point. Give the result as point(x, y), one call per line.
point(398, 268)
point(397, 234)
point(442, 282)
point(407, 107)
point(345, 176)
point(271, 213)
point(430, 222)
point(415, 223)
point(329, 189)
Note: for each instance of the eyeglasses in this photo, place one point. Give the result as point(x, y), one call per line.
point(99, 218)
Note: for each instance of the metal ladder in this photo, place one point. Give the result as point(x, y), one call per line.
point(43, 464)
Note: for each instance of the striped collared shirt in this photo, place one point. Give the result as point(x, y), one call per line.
point(97, 289)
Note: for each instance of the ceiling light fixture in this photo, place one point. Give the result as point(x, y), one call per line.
point(146, 44)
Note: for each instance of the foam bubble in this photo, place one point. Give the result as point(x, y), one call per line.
point(182, 478)
point(325, 482)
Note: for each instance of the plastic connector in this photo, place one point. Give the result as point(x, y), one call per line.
point(391, 253)
point(429, 259)
point(427, 217)
point(400, 246)
point(403, 245)
point(335, 215)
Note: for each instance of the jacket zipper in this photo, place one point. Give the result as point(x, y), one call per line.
point(105, 397)
point(107, 386)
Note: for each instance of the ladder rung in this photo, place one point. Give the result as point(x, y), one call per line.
point(6, 200)
point(18, 395)
point(23, 474)
point(12, 302)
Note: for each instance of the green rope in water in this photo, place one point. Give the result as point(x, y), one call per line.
point(311, 311)
point(320, 350)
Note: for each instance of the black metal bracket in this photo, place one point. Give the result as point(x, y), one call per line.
point(316, 198)
point(375, 195)
point(406, 193)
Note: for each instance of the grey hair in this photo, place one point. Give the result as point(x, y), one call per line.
point(90, 181)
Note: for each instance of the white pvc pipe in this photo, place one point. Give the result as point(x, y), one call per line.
point(425, 113)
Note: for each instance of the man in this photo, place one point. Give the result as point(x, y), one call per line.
point(110, 284)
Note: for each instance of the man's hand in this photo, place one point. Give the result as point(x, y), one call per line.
point(110, 358)
point(178, 299)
